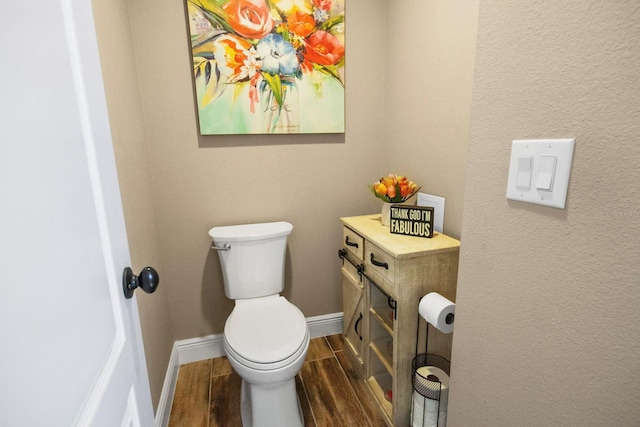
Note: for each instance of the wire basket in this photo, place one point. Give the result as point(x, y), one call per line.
point(428, 386)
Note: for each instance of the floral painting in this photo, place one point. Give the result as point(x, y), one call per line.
point(268, 66)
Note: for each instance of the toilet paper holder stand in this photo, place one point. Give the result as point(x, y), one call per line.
point(429, 387)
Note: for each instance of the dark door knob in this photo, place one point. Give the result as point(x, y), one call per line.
point(148, 280)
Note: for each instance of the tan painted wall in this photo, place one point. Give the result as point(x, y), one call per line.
point(430, 57)
point(548, 321)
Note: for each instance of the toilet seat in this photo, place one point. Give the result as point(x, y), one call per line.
point(267, 367)
point(266, 333)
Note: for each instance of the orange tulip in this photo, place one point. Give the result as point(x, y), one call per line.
point(380, 189)
point(405, 190)
point(391, 191)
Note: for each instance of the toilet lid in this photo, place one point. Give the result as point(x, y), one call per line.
point(265, 330)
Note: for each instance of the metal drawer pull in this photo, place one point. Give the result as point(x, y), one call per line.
point(224, 247)
point(348, 243)
point(378, 263)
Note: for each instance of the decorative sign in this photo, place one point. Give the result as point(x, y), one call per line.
point(412, 220)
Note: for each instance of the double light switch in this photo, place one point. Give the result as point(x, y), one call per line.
point(539, 171)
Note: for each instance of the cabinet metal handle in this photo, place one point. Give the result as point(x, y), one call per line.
point(348, 243)
point(378, 263)
point(393, 304)
point(356, 326)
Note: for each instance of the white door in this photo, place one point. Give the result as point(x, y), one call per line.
point(70, 344)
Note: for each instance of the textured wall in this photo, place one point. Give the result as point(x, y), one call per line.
point(547, 322)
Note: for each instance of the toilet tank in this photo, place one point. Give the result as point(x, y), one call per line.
point(253, 267)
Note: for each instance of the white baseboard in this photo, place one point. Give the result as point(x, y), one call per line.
point(209, 347)
point(325, 325)
point(168, 389)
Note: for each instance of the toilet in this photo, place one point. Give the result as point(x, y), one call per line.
point(266, 338)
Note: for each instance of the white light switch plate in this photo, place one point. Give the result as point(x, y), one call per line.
point(549, 171)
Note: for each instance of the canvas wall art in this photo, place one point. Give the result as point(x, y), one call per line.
point(268, 66)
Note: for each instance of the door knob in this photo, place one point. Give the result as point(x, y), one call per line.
point(147, 280)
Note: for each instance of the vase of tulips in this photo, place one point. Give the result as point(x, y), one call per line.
point(392, 189)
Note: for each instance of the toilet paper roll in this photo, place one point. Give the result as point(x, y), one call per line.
point(427, 412)
point(432, 418)
point(438, 311)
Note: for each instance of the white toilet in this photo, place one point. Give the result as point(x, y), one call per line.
point(266, 338)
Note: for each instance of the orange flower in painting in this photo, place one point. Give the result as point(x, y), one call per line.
point(249, 18)
point(301, 24)
point(323, 48)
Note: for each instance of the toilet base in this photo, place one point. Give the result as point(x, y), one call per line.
point(271, 405)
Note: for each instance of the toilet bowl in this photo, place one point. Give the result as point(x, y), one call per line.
point(266, 338)
point(267, 351)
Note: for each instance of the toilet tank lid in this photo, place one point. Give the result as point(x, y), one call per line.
point(245, 232)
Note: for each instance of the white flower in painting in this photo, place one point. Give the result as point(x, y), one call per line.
point(235, 58)
point(251, 64)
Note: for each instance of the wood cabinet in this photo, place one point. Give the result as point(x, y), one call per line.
point(384, 275)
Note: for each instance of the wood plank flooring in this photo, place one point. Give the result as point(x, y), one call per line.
point(208, 392)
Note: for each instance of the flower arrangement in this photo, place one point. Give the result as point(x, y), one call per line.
point(265, 45)
point(394, 188)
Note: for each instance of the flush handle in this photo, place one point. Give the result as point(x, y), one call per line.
point(224, 247)
point(147, 280)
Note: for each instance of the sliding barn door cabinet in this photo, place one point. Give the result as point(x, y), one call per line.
point(384, 275)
